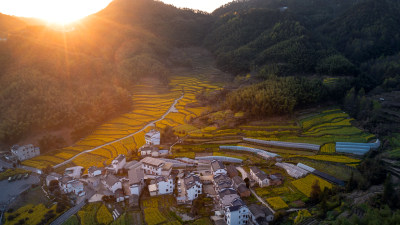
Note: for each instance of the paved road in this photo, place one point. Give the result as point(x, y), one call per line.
point(64, 217)
point(171, 109)
point(12, 189)
point(262, 200)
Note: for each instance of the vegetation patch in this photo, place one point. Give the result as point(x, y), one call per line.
point(304, 184)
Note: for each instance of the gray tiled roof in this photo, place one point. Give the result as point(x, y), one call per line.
point(216, 165)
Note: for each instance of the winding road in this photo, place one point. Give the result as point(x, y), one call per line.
point(170, 109)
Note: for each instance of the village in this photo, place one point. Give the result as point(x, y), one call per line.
point(122, 184)
point(185, 179)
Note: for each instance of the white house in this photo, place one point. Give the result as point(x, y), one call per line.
point(77, 188)
point(153, 137)
point(161, 186)
point(218, 167)
point(118, 163)
point(25, 152)
point(94, 171)
point(53, 176)
point(149, 150)
point(136, 180)
point(189, 188)
point(158, 167)
point(69, 185)
point(64, 184)
point(74, 172)
point(259, 176)
point(237, 213)
point(112, 183)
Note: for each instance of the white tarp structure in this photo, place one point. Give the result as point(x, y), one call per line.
point(293, 170)
point(284, 144)
point(356, 148)
point(260, 152)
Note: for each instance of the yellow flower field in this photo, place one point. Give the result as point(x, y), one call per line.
point(304, 184)
point(277, 203)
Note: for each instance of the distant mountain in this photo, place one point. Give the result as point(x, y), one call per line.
point(10, 23)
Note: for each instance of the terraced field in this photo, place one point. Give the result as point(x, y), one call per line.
point(156, 210)
point(153, 107)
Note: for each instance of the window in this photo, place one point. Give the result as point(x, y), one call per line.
point(166, 190)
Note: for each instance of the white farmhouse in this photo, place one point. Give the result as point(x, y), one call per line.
point(136, 180)
point(118, 163)
point(112, 183)
point(77, 188)
point(94, 171)
point(218, 167)
point(237, 213)
point(74, 172)
point(53, 177)
point(149, 150)
point(189, 188)
point(69, 185)
point(161, 186)
point(64, 184)
point(153, 137)
point(259, 176)
point(25, 152)
point(158, 167)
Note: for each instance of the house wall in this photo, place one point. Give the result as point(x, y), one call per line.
point(166, 187)
point(115, 187)
point(119, 166)
point(154, 140)
point(149, 169)
point(95, 173)
point(239, 217)
point(135, 189)
point(24, 153)
point(194, 192)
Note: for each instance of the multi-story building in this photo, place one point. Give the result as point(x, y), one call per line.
point(158, 167)
point(153, 137)
point(189, 188)
point(237, 213)
point(25, 152)
point(118, 163)
point(161, 186)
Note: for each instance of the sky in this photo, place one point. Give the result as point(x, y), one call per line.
point(204, 5)
point(65, 11)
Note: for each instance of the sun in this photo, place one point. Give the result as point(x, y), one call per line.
point(60, 12)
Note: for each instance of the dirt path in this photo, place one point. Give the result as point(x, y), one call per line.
point(151, 123)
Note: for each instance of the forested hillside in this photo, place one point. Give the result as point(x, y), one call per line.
point(303, 37)
point(51, 80)
point(338, 44)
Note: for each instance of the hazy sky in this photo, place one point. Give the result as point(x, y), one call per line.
point(63, 11)
point(205, 5)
